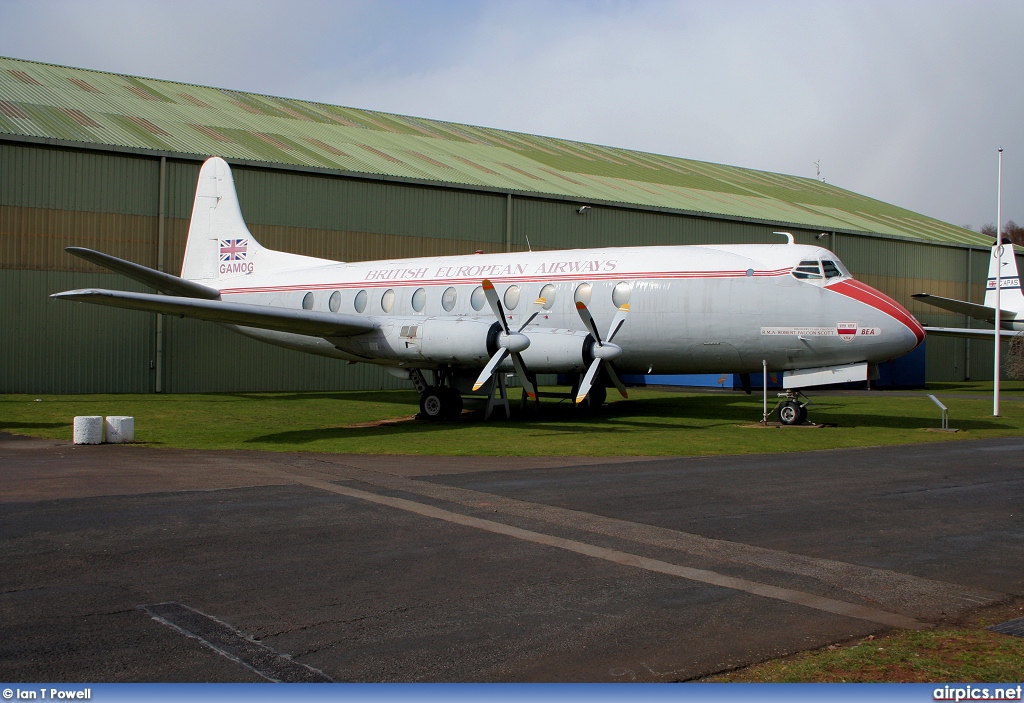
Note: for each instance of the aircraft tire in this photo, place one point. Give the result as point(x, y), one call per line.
point(434, 403)
point(791, 413)
point(453, 404)
point(597, 396)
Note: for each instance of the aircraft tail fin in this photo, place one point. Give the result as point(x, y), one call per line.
point(1010, 296)
point(217, 233)
point(220, 246)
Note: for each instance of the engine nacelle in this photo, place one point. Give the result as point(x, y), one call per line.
point(556, 350)
point(470, 343)
point(461, 342)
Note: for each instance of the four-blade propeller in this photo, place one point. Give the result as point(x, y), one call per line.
point(509, 342)
point(604, 351)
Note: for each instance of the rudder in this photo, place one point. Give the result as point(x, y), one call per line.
point(217, 233)
point(1010, 296)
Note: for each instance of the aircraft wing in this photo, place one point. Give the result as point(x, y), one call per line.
point(163, 282)
point(970, 333)
point(308, 322)
point(978, 312)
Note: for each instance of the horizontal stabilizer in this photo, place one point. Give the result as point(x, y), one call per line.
point(978, 312)
point(163, 282)
point(969, 333)
point(308, 322)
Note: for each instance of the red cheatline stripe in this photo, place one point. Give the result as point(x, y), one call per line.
point(868, 295)
point(557, 278)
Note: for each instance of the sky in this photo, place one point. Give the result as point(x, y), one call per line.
point(906, 101)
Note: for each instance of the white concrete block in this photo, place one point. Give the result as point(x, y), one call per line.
point(88, 429)
point(120, 428)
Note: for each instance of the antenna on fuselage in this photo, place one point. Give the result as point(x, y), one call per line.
point(528, 247)
point(787, 235)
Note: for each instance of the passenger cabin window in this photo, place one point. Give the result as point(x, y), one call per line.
point(477, 299)
point(548, 293)
point(808, 270)
point(831, 270)
point(511, 297)
point(419, 299)
point(448, 299)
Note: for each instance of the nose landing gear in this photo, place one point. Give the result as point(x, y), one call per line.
point(793, 410)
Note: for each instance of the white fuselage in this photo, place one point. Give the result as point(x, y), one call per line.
point(691, 308)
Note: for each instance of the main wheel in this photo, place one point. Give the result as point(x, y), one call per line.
point(433, 403)
point(440, 403)
point(453, 403)
point(790, 413)
point(597, 396)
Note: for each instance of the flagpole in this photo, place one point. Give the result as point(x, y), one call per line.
point(999, 285)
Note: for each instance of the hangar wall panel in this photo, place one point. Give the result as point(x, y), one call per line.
point(52, 346)
point(208, 358)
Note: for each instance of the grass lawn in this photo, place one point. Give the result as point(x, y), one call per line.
point(968, 653)
point(653, 422)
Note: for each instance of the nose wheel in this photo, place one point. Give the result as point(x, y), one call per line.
point(793, 411)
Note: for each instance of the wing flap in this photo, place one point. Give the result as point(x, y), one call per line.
point(163, 282)
point(308, 322)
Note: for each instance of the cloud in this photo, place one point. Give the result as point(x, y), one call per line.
point(901, 101)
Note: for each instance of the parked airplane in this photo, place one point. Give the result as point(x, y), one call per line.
point(591, 314)
point(1002, 265)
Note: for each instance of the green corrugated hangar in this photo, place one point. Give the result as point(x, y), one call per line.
point(110, 162)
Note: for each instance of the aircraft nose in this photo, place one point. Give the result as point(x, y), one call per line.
point(914, 333)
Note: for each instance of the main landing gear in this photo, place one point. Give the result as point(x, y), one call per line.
point(437, 402)
point(440, 403)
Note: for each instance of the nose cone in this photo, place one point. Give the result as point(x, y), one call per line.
point(913, 332)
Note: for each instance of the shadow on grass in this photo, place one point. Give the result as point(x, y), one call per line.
point(31, 425)
point(684, 413)
point(386, 397)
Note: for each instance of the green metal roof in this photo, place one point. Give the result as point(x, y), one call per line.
point(105, 109)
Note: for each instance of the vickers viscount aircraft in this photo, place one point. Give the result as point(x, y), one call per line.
point(590, 314)
point(1002, 267)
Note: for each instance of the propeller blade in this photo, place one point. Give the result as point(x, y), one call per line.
point(587, 381)
point(538, 306)
point(617, 321)
point(495, 303)
point(588, 320)
point(492, 364)
point(517, 362)
point(610, 370)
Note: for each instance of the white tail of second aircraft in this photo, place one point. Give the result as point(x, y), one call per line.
point(219, 246)
point(1010, 296)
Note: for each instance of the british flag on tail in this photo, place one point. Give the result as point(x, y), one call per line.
point(233, 249)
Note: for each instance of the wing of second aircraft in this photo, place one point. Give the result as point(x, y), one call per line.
point(308, 322)
point(978, 312)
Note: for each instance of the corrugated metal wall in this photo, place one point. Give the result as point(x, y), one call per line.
point(51, 198)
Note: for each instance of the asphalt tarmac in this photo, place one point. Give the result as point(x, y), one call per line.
point(131, 563)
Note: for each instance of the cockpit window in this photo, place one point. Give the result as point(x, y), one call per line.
point(807, 270)
point(831, 270)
